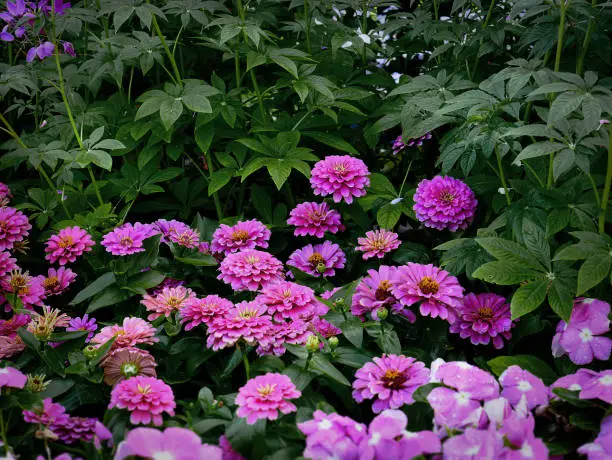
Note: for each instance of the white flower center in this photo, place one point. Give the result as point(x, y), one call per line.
point(524, 386)
point(606, 380)
point(462, 398)
point(374, 439)
point(586, 335)
point(526, 451)
point(163, 456)
point(410, 434)
point(324, 425)
point(4, 370)
point(472, 450)
point(574, 387)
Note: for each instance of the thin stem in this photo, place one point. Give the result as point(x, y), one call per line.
point(247, 367)
point(290, 198)
point(307, 19)
point(605, 196)
point(551, 164)
point(300, 121)
point(127, 210)
point(484, 26)
point(129, 94)
point(364, 28)
point(435, 3)
point(177, 74)
point(595, 191)
point(3, 428)
point(564, 6)
point(207, 177)
point(587, 41)
point(308, 359)
point(502, 177)
point(404, 181)
point(237, 67)
point(535, 174)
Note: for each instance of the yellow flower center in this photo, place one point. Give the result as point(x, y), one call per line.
point(383, 290)
point(485, 313)
point(65, 242)
point(50, 283)
point(447, 196)
point(252, 260)
point(173, 301)
point(428, 285)
point(239, 235)
point(340, 167)
point(144, 389)
point(316, 259)
point(126, 241)
point(265, 390)
point(393, 379)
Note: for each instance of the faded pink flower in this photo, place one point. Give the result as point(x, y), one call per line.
point(127, 362)
point(132, 332)
point(7, 263)
point(263, 396)
point(201, 311)
point(318, 260)
point(341, 176)
point(10, 345)
point(250, 270)
point(246, 321)
point(166, 302)
point(377, 243)
point(14, 227)
point(177, 232)
point(58, 280)
point(10, 326)
point(288, 300)
point(295, 332)
point(128, 239)
point(67, 245)
point(315, 219)
point(11, 377)
point(147, 398)
point(244, 235)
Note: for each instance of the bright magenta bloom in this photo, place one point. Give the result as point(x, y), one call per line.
point(444, 202)
point(131, 333)
point(50, 413)
point(177, 232)
point(377, 243)
point(127, 239)
point(439, 291)
point(169, 300)
point(294, 332)
point(58, 280)
point(7, 263)
point(67, 245)
point(325, 328)
point(75, 429)
point(10, 326)
point(83, 324)
point(250, 270)
point(263, 396)
point(248, 321)
point(315, 219)
point(5, 193)
point(341, 176)
point(147, 398)
point(248, 234)
point(318, 260)
point(287, 300)
point(11, 377)
point(390, 380)
point(196, 311)
point(14, 227)
point(29, 289)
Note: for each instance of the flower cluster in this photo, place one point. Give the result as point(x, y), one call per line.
point(177, 232)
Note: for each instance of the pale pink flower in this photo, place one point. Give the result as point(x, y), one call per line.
point(201, 311)
point(244, 235)
point(67, 245)
point(263, 396)
point(246, 321)
point(377, 243)
point(294, 332)
point(166, 302)
point(132, 332)
point(147, 398)
point(315, 219)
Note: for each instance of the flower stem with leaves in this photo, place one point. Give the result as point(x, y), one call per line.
point(607, 184)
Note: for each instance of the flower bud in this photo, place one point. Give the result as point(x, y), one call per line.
point(321, 268)
point(312, 344)
point(89, 351)
point(36, 383)
point(381, 313)
point(333, 342)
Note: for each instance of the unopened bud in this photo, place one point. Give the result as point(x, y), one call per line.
point(321, 268)
point(333, 342)
point(90, 351)
point(312, 344)
point(36, 383)
point(381, 313)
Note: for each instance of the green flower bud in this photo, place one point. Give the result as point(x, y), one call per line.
point(312, 344)
point(381, 313)
point(89, 351)
point(321, 268)
point(333, 342)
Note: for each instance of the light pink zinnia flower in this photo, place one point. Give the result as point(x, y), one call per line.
point(7, 263)
point(439, 292)
point(10, 345)
point(288, 300)
point(127, 239)
point(201, 311)
point(263, 396)
point(250, 270)
point(166, 302)
point(244, 235)
point(315, 219)
point(14, 227)
point(248, 321)
point(377, 243)
point(67, 245)
point(318, 260)
point(444, 202)
point(341, 176)
point(132, 332)
point(390, 380)
point(11, 377)
point(58, 280)
point(147, 398)
point(294, 332)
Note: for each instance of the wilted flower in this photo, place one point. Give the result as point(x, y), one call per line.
point(14, 227)
point(29, 289)
point(10, 345)
point(318, 260)
point(377, 243)
point(10, 326)
point(244, 235)
point(177, 232)
point(147, 398)
point(128, 362)
point(67, 245)
point(341, 176)
point(250, 270)
point(37, 383)
point(42, 51)
point(127, 239)
point(43, 325)
point(58, 280)
point(315, 219)
point(263, 396)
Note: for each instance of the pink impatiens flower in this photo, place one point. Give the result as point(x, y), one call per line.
point(315, 219)
point(132, 332)
point(196, 311)
point(341, 176)
point(67, 245)
point(601, 447)
point(11, 377)
point(318, 260)
point(244, 235)
point(263, 396)
point(248, 321)
point(520, 384)
point(147, 398)
point(599, 387)
point(58, 280)
point(288, 300)
point(464, 377)
point(474, 444)
point(171, 299)
point(377, 243)
point(573, 382)
point(250, 270)
point(14, 227)
point(390, 380)
point(128, 239)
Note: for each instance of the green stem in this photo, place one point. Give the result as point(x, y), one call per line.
point(259, 97)
point(595, 191)
point(435, 3)
point(535, 174)
point(307, 19)
point(299, 122)
point(404, 181)
point(290, 198)
point(3, 428)
point(364, 28)
point(587, 41)
point(605, 196)
point(308, 359)
point(247, 367)
point(177, 74)
point(207, 177)
point(564, 6)
point(502, 177)
point(551, 165)
point(484, 26)
point(237, 67)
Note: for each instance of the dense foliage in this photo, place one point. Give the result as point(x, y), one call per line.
point(355, 229)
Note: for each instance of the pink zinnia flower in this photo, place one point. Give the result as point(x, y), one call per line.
point(390, 380)
point(439, 292)
point(332, 436)
point(201, 311)
point(327, 295)
point(444, 202)
point(58, 280)
point(166, 283)
point(318, 260)
point(288, 300)
point(519, 384)
point(75, 429)
point(177, 232)
point(325, 328)
point(294, 332)
point(10, 345)
point(599, 387)
point(50, 413)
point(7, 263)
point(315, 219)
point(341, 176)
point(482, 317)
point(127, 239)
point(244, 235)
point(250, 270)
point(11, 377)
point(10, 326)
point(228, 450)
point(29, 289)
point(377, 243)
point(263, 396)
point(67, 245)
point(147, 398)
point(14, 227)
point(173, 443)
point(167, 301)
point(5, 193)
point(248, 321)
point(83, 324)
point(132, 332)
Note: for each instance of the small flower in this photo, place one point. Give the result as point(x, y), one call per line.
point(7, 263)
point(263, 396)
point(14, 227)
point(83, 324)
point(42, 51)
point(132, 332)
point(68, 49)
point(341, 176)
point(5, 192)
point(377, 243)
point(518, 384)
point(37, 383)
point(250, 270)
point(147, 398)
point(50, 413)
point(244, 235)
point(601, 447)
point(599, 387)
point(315, 219)
point(318, 260)
point(444, 202)
point(177, 232)
point(57, 281)
point(127, 239)
point(43, 325)
point(475, 443)
point(67, 245)
point(125, 363)
point(461, 376)
point(166, 302)
point(29, 289)
point(246, 321)
point(391, 380)
point(287, 300)
point(10, 345)
point(11, 377)
point(332, 436)
point(202, 311)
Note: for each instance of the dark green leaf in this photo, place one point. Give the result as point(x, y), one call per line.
point(526, 362)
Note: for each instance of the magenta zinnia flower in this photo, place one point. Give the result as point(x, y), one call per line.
point(263, 396)
point(294, 332)
point(147, 398)
point(250, 270)
point(482, 318)
point(14, 227)
point(132, 332)
point(166, 302)
point(50, 413)
point(29, 289)
point(5, 193)
point(444, 202)
point(177, 232)
point(315, 219)
point(67, 245)
point(127, 239)
point(438, 290)
point(341, 176)
point(75, 429)
point(318, 260)
point(390, 380)
point(519, 384)
point(11, 377)
point(244, 235)
point(58, 280)
point(287, 300)
point(196, 311)
point(10, 326)
point(83, 324)
point(324, 327)
point(377, 243)
point(7, 263)
point(248, 321)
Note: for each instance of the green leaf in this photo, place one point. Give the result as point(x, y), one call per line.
point(349, 356)
point(380, 185)
point(333, 141)
point(111, 296)
point(279, 171)
point(321, 364)
point(535, 239)
point(56, 388)
point(65, 336)
point(528, 297)
point(121, 15)
point(149, 107)
point(195, 101)
point(204, 136)
point(204, 426)
point(538, 149)
point(28, 338)
point(100, 158)
point(94, 288)
point(563, 105)
point(561, 299)
point(506, 250)
point(593, 271)
point(572, 397)
point(146, 280)
point(504, 273)
point(285, 63)
point(199, 260)
point(300, 378)
point(526, 362)
point(389, 342)
point(101, 352)
point(219, 179)
point(170, 110)
point(389, 215)
point(352, 329)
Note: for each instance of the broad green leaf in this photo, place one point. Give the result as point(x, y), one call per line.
point(170, 110)
point(150, 106)
point(388, 216)
point(94, 288)
point(538, 149)
point(100, 158)
point(109, 144)
point(146, 280)
point(536, 242)
point(279, 171)
point(350, 356)
point(528, 297)
point(389, 342)
point(506, 250)
point(563, 105)
point(561, 298)
point(111, 296)
point(504, 273)
point(199, 260)
point(320, 364)
point(333, 141)
point(285, 63)
point(352, 329)
point(553, 88)
point(300, 378)
point(196, 101)
point(380, 185)
point(219, 179)
point(526, 362)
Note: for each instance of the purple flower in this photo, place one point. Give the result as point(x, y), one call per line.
point(474, 444)
point(315, 219)
point(573, 382)
point(454, 409)
point(83, 324)
point(318, 260)
point(5, 35)
point(518, 384)
point(68, 49)
point(599, 387)
point(248, 234)
point(464, 377)
point(601, 447)
point(332, 436)
point(128, 239)
point(42, 51)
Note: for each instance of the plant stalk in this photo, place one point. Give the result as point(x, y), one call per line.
point(307, 19)
point(247, 367)
point(207, 177)
point(484, 26)
point(605, 196)
point(3, 434)
point(502, 177)
point(587, 41)
point(177, 74)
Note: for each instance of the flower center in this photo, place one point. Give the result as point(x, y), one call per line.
point(316, 216)
point(462, 398)
point(606, 380)
point(163, 456)
point(144, 389)
point(393, 379)
point(586, 335)
point(485, 313)
point(316, 259)
point(173, 301)
point(447, 196)
point(247, 314)
point(265, 390)
point(186, 239)
point(340, 167)
point(428, 285)
point(252, 260)
point(239, 235)
point(50, 283)
point(287, 293)
point(65, 242)
point(19, 282)
point(524, 386)
point(383, 291)
point(130, 370)
point(126, 241)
